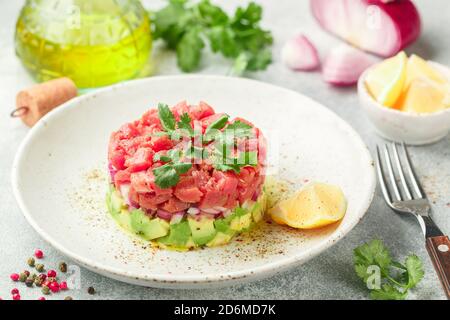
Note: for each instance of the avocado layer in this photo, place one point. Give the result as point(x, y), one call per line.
point(190, 232)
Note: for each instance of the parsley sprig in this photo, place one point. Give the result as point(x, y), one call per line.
point(220, 133)
point(396, 278)
point(185, 27)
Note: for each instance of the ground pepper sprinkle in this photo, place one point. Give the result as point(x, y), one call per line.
point(63, 267)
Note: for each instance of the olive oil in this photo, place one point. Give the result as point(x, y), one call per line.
point(95, 42)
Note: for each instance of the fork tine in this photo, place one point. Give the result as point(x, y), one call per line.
point(391, 173)
point(412, 174)
point(384, 189)
point(400, 171)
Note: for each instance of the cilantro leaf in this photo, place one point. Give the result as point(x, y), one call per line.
point(184, 25)
point(160, 157)
point(182, 167)
point(210, 14)
point(185, 124)
point(392, 287)
point(240, 129)
point(166, 176)
point(189, 50)
point(373, 253)
point(223, 40)
point(388, 292)
point(211, 130)
point(414, 270)
point(166, 117)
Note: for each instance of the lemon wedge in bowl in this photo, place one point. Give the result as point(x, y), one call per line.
point(419, 68)
point(385, 81)
point(424, 96)
point(314, 206)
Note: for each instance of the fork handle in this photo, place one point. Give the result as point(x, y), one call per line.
point(439, 251)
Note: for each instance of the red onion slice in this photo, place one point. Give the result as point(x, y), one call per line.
point(377, 26)
point(344, 65)
point(300, 54)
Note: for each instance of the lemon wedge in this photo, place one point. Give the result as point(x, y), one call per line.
point(419, 68)
point(424, 96)
point(385, 82)
point(314, 206)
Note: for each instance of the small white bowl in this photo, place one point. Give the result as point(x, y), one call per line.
point(400, 126)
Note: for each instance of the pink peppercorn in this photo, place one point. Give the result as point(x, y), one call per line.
point(14, 291)
point(63, 285)
point(51, 273)
point(16, 297)
point(38, 254)
point(14, 277)
point(54, 287)
point(42, 298)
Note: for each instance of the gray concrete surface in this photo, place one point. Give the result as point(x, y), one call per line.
point(328, 276)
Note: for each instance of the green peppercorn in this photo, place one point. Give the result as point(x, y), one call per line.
point(68, 298)
point(29, 282)
point(38, 282)
point(45, 290)
point(40, 267)
point(63, 267)
point(51, 279)
point(30, 262)
point(34, 276)
point(22, 277)
point(91, 290)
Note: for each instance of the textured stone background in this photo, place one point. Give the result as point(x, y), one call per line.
point(328, 276)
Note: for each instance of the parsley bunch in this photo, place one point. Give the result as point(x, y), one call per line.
point(185, 27)
point(396, 278)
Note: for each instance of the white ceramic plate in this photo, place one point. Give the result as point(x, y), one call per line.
point(59, 180)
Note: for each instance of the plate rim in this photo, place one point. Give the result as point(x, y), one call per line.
point(260, 271)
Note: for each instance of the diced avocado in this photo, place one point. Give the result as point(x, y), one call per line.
point(137, 220)
point(235, 224)
point(148, 228)
point(179, 235)
point(123, 218)
point(202, 230)
point(245, 221)
point(155, 228)
point(257, 212)
point(240, 211)
point(223, 225)
point(220, 239)
point(116, 203)
point(241, 223)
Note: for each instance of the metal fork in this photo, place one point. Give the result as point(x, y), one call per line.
point(413, 200)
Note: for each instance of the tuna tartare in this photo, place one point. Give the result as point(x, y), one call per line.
point(186, 177)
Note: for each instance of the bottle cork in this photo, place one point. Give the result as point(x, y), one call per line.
point(35, 102)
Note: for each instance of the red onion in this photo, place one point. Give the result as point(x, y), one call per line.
point(112, 171)
point(380, 27)
point(211, 211)
point(164, 214)
point(193, 211)
point(300, 54)
point(177, 217)
point(344, 65)
point(227, 213)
